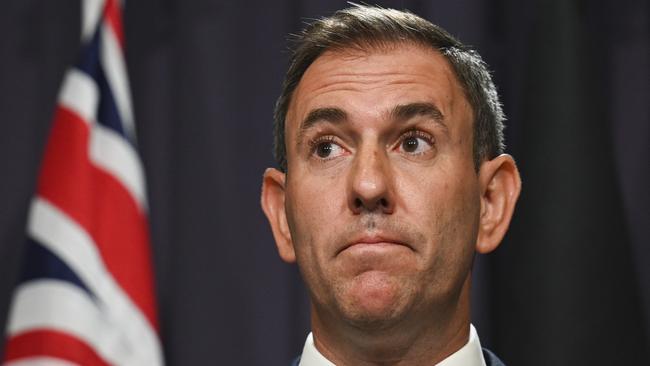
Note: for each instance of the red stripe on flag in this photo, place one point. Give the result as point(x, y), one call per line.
point(50, 343)
point(101, 205)
point(113, 15)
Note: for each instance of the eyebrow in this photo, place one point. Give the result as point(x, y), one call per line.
point(402, 112)
point(319, 115)
point(405, 112)
point(328, 114)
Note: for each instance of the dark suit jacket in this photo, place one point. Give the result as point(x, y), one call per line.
point(490, 359)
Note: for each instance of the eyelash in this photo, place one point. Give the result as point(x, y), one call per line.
point(314, 143)
point(416, 133)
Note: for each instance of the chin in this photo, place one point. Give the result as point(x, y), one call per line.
point(374, 301)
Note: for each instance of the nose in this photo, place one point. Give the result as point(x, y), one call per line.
point(370, 183)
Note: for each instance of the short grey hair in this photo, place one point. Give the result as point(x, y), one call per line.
point(370, 27)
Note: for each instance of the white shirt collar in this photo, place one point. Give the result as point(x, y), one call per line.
point(470, 354)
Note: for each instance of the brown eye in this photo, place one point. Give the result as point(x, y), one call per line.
point(415, 143)
point(324, 149)
point(410, 144)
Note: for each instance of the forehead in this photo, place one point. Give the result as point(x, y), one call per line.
point(375, 80)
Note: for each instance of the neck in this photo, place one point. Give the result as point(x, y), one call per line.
point(420, 338)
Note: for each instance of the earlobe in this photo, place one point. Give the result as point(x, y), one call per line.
point(272, 200)
point(500, 185)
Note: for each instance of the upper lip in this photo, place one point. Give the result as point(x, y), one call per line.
point(374, 239)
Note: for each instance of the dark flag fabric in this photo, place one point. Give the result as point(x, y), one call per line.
point(86, 295)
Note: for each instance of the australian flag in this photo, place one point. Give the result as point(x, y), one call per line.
point(86, 296)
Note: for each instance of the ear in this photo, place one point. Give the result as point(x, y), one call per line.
point(272, 201)
point(500, 185)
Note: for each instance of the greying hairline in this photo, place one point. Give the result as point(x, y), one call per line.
point(483, 98)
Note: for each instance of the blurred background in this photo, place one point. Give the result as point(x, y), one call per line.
point(570, 285)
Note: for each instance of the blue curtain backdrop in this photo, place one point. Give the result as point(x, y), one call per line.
point(569, 286)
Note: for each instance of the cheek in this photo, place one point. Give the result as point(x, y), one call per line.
point(459, 212)
point(446, 207)
point(312, 215)
point(313, 209)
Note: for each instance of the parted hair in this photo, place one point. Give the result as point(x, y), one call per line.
point(365, 28)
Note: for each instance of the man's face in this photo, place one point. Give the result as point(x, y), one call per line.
point(382, 198)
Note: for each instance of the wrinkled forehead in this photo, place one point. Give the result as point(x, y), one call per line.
point(383, 74)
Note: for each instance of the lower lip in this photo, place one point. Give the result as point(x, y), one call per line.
point(375, 247)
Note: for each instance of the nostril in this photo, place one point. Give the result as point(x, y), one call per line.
point(357, 203)
point(383, 202)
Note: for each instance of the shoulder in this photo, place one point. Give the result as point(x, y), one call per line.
point(296, 361)
point(490, 358)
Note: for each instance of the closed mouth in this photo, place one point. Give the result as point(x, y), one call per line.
point(373, 240)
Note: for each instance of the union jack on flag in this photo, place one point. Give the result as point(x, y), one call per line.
point(85, 296)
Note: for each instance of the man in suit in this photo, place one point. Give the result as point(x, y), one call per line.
point(388, 136)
